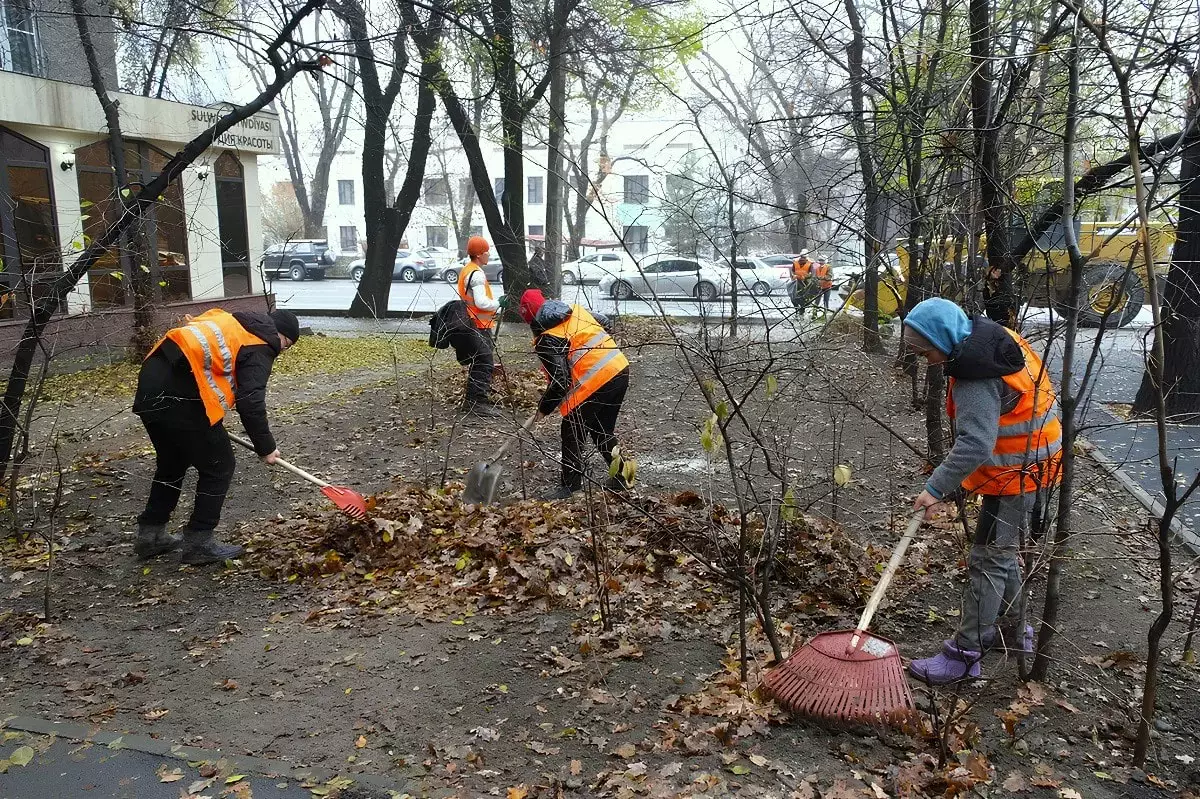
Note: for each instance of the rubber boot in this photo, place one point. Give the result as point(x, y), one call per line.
point(479, 408)
point(616, 484)
point(200, 548)
point(153, 540)
point(995, 639)
point(950, 665)
point(562, 492)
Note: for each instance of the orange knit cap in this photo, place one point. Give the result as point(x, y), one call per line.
point(476, 246)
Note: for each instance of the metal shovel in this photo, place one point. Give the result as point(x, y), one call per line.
point(484, 476)
point(348, 501)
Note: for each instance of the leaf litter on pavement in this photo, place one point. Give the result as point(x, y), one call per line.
point(426, 554)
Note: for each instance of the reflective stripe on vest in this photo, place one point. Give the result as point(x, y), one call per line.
point(1028, 447)
point(481, 318)
point(592, 354)
point(211, 343)
point(800, 269)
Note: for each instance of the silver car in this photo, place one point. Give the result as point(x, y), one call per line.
point(667, 276)
point(410, 266)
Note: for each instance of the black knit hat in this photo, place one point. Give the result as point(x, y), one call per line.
point(286, 323)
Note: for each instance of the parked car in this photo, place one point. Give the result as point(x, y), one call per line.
point(299, 259)
point(442, 256)
point(592, 268)
point(494, 271)
point(782, 259)
point(760, 278)
point(668, 276)
point(410, 266)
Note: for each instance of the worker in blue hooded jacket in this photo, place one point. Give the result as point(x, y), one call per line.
point(1006, 449)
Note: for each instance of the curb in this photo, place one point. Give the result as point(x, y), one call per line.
point(1182, 532)
point(376, 786)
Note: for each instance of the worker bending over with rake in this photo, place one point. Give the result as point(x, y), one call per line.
point(588, 375)
point(217, 361)
point(1006, 448)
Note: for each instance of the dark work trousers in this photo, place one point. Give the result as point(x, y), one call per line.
point(994, 579)
point(473, 349)
point(596, 417)
point(209, 452)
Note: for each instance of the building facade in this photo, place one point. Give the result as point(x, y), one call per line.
point(200, 244)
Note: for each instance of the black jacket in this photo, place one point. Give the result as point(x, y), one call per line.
point(988, 352)
point(167, 393)
point(554, 350)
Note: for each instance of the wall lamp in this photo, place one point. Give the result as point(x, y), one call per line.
point(68, 162)
point(202, 172)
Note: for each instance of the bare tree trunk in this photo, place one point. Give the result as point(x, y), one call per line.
point(1068, 398)
point(554, 166)
point(872, 215)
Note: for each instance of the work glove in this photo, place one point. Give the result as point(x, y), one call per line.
point(505, 302)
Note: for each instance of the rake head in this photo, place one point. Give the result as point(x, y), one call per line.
point(482, 481)
point(348, 501)
point(827, 680)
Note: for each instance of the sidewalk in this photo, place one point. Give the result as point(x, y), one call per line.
point(51, 760)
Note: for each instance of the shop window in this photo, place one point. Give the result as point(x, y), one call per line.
point(30, 256)
point(231, 224)
point(162, 252)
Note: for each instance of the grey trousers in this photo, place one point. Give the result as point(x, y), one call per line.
point(994, 581)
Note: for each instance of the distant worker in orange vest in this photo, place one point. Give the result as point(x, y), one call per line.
point(192, 377)
point(823, 272)
point(475, 349)
point(1007, 447)
point(799, 287)
point(589, 376)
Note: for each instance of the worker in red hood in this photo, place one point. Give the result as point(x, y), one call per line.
point(589, 376)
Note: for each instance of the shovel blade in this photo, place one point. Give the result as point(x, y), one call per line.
point(481, 483)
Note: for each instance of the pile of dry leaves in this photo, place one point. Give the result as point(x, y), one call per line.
point(426, 552)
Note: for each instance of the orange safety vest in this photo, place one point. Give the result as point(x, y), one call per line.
point(825, 275)
point(482, 319)
point(593, 355)
point(1028, 449)
point(801, 268)
point(211, 343)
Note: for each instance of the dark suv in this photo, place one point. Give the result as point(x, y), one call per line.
point(299, 259)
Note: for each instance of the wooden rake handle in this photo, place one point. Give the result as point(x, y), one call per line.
point(881, 588)
point(296, 470)
point(525, 425)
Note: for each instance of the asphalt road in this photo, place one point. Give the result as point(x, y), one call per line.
point(68, 770)
point(405, 298)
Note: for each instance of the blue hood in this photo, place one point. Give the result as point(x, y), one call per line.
point(941, 322)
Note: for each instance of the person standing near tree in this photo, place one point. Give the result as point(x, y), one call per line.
point(537, 268)
point(999, 298)
point(589, 376)
point(474, 348)
point(823, 273)
point(187, 383)
point(1007, 448)
point(799, 287)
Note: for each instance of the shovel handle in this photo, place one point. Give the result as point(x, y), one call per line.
point(525, 425)
point(888, 573)
point(296, 470)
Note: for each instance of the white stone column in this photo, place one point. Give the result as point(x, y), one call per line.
point(254, 229)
